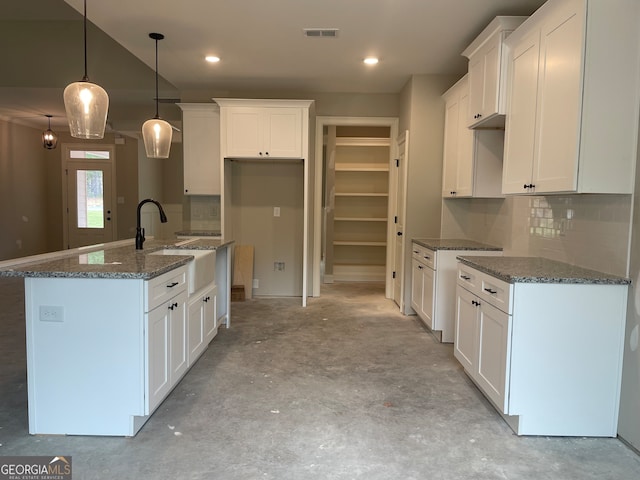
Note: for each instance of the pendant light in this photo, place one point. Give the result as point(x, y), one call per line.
point(86, 103)
point(156, 132)
point(49, 137)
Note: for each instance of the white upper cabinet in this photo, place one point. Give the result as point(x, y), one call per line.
point(201, 148)
point(262, 128)
point(487, 73)
point(458, 143)
point(572, 113)
point(472, 159)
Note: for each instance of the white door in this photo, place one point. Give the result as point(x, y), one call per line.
point(400, 179)
point(88, 195)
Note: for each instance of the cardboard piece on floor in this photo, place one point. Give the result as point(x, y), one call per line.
point(243, 269)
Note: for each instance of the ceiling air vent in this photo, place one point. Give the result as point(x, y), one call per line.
point(321, 32)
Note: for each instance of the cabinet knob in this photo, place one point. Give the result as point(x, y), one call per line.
point(420, 267)
point(399, 234)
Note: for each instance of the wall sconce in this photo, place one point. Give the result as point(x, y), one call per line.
point(49, 137)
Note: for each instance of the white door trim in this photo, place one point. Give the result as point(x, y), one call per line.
point(321, 122)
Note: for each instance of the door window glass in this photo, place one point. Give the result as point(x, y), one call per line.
point(90, 193)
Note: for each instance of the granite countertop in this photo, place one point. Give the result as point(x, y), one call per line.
point(199, 233)
point(119, 261)
point(453, 244)
point(539, 270)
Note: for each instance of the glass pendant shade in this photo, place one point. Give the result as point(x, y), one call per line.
point(86, 105)
point(156, 132)
point(157, 135)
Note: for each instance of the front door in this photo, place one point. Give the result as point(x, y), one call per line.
point(88, 195)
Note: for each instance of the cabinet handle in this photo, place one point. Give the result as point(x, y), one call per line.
point(492, 292)
point(173, 305)
point(206, 299)
point(464, 277)
point(427, 257)
point(420, 267)
point(474, 303)
point(171, 285)
point(266, 153)
point(452, 193)
point(416, 251)
point(399, 234)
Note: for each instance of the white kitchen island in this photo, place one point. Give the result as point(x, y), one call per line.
point(111, 330)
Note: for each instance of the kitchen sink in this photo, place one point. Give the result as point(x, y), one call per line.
point(201, 269)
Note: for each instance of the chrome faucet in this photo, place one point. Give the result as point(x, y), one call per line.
point(139, 230)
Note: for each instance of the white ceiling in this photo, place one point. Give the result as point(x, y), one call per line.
point(260, 42)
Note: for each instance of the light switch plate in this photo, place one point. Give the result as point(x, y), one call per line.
point(276, 211)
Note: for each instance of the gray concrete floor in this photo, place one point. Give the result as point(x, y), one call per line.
point(345, 389)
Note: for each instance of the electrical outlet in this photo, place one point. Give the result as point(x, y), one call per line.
point(278, 266)
point(276, 211)
point(256, 283)
point(49, 313)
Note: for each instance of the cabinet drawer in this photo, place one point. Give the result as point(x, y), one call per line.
point(495, 292)
point(164, 287)
point(424, 255)
point(468, 278)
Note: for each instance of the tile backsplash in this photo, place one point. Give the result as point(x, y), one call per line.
point(587, 230)
point(201, 212)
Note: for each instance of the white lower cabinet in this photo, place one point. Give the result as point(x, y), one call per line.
point(433, 287)
point(547, 355)
point(166, 348)
point(202, 321)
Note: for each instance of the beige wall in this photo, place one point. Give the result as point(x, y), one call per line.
point(422, 113)
point(23, 192)
point(258, 187)
point(31, 190)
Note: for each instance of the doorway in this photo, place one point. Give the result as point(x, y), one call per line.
point(364, 208)
point(88, 193)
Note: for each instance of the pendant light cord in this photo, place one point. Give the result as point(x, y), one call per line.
point(157, 114)
point(86, 77)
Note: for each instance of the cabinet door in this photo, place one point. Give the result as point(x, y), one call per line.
point(466, 330)
point(243, 132)
point(484, 81)
point(201, 147)
point(450, 154)
point(158, 381)
point(196, 328)
point(494, 355)
point(464, 173)
point(521, 115)
point(178, 337)
point(210, 314)
point(555, 168)
point(476, 88)
point(428, 296)
point(283, 132)
point(416, 286)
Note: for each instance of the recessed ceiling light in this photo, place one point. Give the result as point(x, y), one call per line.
point(212, 59)
point(371, 60)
